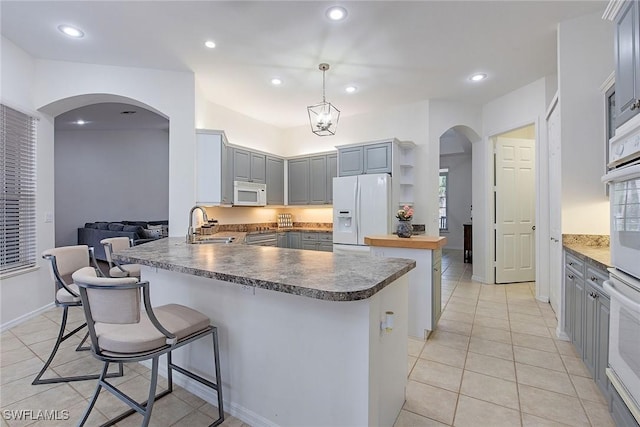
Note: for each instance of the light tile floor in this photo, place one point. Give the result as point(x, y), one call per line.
point(492, 362)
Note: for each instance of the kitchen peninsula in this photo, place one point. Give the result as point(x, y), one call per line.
point(300, 332)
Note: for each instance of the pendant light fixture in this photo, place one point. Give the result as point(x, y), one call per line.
point(323, 116)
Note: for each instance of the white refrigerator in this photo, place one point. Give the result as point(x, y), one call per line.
point(361, 207)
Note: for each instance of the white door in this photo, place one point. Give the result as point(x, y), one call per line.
point(374, 216)
point(555, 218)
point(515, 210)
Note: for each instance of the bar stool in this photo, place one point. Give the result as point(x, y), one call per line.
point(114, 244)
point(121, 333)
point(63, 261)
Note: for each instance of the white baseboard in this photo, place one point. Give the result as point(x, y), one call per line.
point(476, 278)
point(15, 322)
point(243, 414)
point(562, 335)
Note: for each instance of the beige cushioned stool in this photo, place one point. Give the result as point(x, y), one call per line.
point(115, 244)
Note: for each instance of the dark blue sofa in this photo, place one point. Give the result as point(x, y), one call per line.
point(93, 232)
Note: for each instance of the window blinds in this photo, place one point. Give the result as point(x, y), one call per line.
point(18, 197)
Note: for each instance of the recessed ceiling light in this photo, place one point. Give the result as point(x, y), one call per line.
point(478, 77)
point(210, 44)
point(276, 81)
point(350, 89)
point(71, 31)
point(336, 13)
point(80, 122)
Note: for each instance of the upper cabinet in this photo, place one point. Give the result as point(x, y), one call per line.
point(377, 158)
point(275, 181)
point(214, 185)
point(311, 179)
point(627, 57)
point(249, 166)
point(366, 158)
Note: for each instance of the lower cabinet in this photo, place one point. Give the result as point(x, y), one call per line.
point(294, 240)
point(282, 240)
point(436, 286)
point(261, 239)
point(312, 241)
point(586, 308)
point(317, 242)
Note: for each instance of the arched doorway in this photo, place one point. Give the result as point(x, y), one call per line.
point(112, 167)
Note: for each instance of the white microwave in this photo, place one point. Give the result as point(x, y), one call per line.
point(249, 193)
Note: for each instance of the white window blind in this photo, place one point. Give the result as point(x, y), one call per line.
point(18, 198)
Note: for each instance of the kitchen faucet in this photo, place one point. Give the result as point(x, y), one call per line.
point(191, 234)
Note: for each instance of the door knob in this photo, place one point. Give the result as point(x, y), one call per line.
point(533, 228)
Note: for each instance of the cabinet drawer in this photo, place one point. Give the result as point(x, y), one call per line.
point(325, 237)
point(576, 264)
point(596, 277)
point(310, 236)
point(260, 239)
point(325, 247)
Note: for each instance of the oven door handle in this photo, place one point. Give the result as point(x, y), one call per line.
point(609, 286)
point(622, 174)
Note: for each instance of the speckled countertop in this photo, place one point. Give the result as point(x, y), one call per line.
point(320, 275)
point(594, 247)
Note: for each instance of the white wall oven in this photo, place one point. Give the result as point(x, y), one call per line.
point(623, 285)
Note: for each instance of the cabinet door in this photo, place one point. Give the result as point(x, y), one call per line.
point(578, 316)
point(318, 180)
point(226, 173)
point(350, 161)
point(602, 344)
point(436, 289)
point(294, 240)
point(309, 245)
point(325, 247)
point(275, 181)
point(241, 165)
point(282, 240)
point(627, 57)
point(332, 172)
point(590, 328)
point(258, 168)
point(569, 301)
point(299, 181)
point(377, 158)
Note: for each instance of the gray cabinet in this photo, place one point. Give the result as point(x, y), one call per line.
point(627, 58)
point(586, 308)
point(275, 180)
point(318, 180)
point(366, 158)
point(377, 158)
point(620, 413)
point(332, 172)
point(214, 182)
point(317, 241)
point(283, 240)
point(311, 179)
point(248, 166)
point(299, 181)
point(351, 161)
point(294, 240)
point(436, 286)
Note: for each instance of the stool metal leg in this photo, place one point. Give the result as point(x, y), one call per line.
point(216, 356)
point(87, 411)
point(61, 338)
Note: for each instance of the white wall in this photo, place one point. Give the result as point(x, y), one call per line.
point(585, 60)
point(239, 129)
point(459, 197)
point(26, 293)
point(109, 175)
point(40, 85)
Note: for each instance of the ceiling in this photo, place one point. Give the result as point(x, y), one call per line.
point(110, 116)
point(395, 52)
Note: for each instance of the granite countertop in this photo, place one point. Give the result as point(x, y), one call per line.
point(319, 275)
point(594, 247)
point(414, 242)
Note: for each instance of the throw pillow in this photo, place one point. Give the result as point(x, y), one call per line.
point(152, 233)
point(154, 227)
point(114, 226)
point(136, 229)
point(102, 225)
point(90, 225)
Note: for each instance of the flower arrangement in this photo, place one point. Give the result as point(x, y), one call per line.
point(405, 214)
